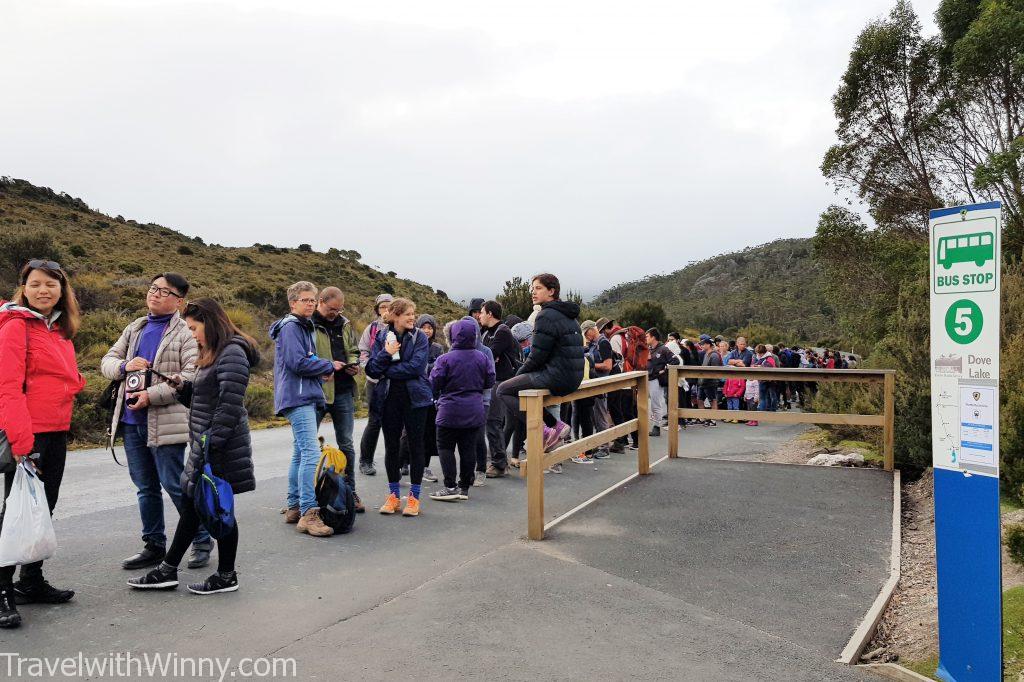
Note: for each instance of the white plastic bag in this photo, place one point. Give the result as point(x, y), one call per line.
point(27, 532)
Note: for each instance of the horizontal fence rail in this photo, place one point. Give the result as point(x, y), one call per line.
point(533, 402)
point(885, 377)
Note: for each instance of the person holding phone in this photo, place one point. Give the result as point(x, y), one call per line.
point(216, 399)
point(148, 415)
point(36, 329)
point(336, 339)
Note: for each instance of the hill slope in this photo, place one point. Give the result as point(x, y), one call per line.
point(111, 261)
point(778, 284)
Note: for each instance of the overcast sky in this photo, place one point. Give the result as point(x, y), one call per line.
point(457, 143)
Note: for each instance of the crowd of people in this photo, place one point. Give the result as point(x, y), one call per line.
point(179, 376)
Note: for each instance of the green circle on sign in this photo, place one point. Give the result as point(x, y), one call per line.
point(964, 321)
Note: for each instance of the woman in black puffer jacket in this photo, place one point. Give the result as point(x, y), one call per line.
point(556, 356)
point(216, 398)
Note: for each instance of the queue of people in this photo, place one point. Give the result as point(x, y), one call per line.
point(179, 376)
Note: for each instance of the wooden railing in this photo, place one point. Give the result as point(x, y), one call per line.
point(886, 377)
point(534, 401)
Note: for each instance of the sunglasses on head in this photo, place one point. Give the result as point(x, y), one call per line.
point(44, 264)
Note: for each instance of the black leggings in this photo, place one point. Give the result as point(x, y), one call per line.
point(188, 524)
point(53, 452)
point(398, 414)
point(508, 393)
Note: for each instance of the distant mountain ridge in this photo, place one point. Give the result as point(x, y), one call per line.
point(778, 284)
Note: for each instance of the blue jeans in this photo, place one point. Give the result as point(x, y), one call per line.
point(769, 397)
point(734, 403)
point(151, 468)
point(343, 413)
point(305, 455)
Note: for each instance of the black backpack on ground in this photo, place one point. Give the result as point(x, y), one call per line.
point(337, 501)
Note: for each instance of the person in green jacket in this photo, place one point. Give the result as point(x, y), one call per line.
point(336, 339)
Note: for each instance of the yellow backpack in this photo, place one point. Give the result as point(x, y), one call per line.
point(330, 457)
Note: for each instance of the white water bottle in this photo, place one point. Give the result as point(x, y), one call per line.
point(391, 338)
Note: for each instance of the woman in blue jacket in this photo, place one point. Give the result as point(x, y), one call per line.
point(398, 360)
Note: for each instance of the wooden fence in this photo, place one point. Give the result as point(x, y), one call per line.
point(534, 401)
point(886, 377)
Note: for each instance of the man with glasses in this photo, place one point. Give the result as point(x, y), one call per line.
point(148, 415)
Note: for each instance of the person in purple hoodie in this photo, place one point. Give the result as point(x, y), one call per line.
point(459, 379)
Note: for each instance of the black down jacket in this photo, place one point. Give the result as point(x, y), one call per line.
point(218, 411)
point(556, 354)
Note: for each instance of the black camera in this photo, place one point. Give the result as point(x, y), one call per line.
point(136, 382)
point(139, 380)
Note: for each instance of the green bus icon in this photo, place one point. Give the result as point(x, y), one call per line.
point(966, 248)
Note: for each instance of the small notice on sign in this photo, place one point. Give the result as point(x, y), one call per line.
point(977, 426)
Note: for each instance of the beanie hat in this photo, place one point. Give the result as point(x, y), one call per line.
point(522, 331)
point(476, 305)
point(383, 298)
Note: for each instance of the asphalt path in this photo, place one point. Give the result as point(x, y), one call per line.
point(459, 591)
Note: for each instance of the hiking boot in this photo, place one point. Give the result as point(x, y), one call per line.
point(404, 471)
point(602, 454)
point(292, 515)
point(360, 509)
point(617, 448)
point(312, 523)
point(412, 506)
point(200, 556)
point(655, 431)
point(429, 476)
point(160, 578)
point(151, 555)
point(582, 459)
point(554, 469)
point(391, 504)
point(9, 616)
point(478, 479)
point(40, 592)
point(445, 494)
point(463, 493)
point(495, 472)
point(367, 469)
point(215, 584)
point(513, 462)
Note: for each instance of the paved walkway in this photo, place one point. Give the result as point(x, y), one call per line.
point(703, 570)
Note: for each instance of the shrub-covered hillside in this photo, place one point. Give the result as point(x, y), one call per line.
point(111, 261)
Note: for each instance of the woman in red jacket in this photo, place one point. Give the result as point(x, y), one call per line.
point(39, 379)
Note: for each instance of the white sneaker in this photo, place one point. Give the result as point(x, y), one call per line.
point(428, 475)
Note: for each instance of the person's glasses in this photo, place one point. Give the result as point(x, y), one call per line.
point(163, 292)
point(307, 301)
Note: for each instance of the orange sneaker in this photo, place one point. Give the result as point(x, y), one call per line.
point(412, 506)
point(391, 504)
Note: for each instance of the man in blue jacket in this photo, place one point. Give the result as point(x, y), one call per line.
point(298, 394)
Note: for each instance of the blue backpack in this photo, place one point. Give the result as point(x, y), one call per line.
point(214, 499)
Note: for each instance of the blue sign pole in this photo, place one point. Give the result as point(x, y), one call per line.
point(965, 283)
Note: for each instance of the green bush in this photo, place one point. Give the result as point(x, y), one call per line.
point(1013, 538)
point(259, 402)
point(185, 251)
point(89, 422)
point(78, 251)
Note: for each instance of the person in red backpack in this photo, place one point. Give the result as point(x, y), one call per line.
point(39, 380)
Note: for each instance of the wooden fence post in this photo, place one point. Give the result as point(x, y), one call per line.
point(535, 466)
point(889, 430)
point(643, 456)
point(673, 415)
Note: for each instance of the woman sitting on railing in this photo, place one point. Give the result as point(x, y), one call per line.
point(556, 356)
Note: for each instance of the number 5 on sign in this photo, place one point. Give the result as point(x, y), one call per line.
point(964, 321)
